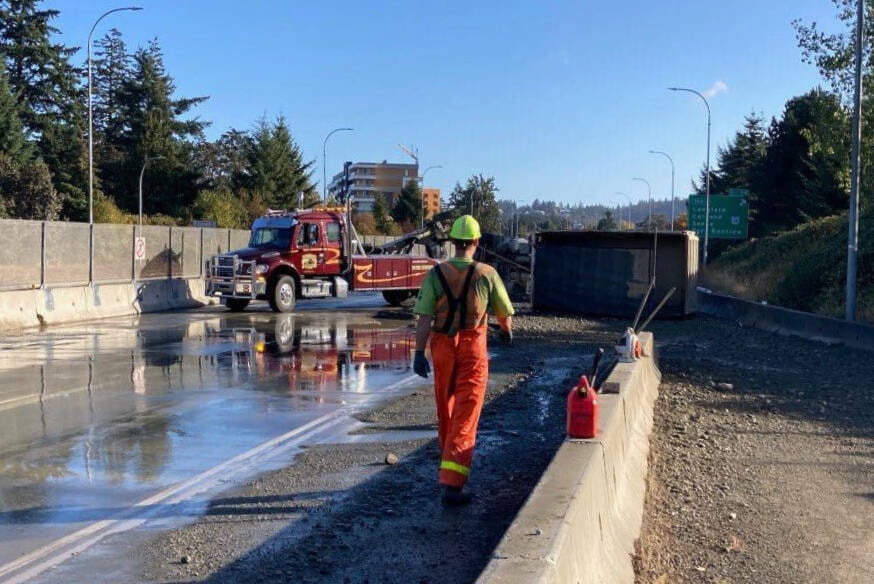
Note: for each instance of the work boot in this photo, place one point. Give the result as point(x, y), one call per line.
point(455, 496)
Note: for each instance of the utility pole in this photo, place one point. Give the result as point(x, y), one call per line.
point(853, 228)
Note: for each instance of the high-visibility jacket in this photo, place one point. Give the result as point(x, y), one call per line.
point(459, 307)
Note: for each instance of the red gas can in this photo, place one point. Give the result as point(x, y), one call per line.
point(582, 410)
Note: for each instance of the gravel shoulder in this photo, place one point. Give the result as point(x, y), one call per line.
point(762, 460)
point(341, 514)
point(761, 470)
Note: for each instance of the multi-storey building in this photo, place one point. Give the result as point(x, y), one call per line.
point(430, 201)
point(367, 179)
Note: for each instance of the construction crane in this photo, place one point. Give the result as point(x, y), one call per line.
point(412, 152)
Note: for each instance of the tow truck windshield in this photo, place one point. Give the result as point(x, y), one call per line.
point(272, 237)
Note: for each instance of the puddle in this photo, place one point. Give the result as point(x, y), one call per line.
point(96, 417)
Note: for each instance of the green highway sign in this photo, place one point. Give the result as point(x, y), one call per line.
point(729, 216)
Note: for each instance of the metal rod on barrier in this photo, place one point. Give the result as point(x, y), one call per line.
point(200, 256)
point(43, 256)
point(133, 255)
point(169, 253)
point(91, 254)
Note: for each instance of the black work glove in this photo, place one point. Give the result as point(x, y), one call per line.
point(421, 365)
point(506, 337)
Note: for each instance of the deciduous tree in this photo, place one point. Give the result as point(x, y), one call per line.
point(478, 198)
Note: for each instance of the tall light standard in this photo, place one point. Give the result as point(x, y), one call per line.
point(629, 209)
point(142, 172)
point(707, 178)
point(514, 225)
point(90, 120)
point(324, 158)
point(668, 156)
point(618, 206)
point(422, 190)
point(855, 165)
point(649, 196)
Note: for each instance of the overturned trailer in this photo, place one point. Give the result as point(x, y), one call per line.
point(608, 273)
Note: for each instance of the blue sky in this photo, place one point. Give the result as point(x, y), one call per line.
point(556, 100)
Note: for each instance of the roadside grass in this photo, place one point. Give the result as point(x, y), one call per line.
point(804, 269)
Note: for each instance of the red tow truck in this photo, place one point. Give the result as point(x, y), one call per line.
point(316, 253)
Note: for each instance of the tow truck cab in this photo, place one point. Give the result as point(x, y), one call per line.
point(308, 254)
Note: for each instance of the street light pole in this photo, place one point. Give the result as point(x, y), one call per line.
point(422, 191)
point(142, 172)
point(668, 156)
point(90, 116)
point(324, 159)
point(619, 210)
point(515, 223)
point(649, 196)
point(856, 137)
point(707, 178)
point(629, 209)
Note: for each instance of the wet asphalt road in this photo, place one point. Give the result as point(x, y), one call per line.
point(109, 424)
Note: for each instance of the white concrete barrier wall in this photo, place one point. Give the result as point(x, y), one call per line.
point(580, 523)
point(21, 309)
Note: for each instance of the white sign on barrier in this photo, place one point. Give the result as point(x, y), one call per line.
point(140, 248)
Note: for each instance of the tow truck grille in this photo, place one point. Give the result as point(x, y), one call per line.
point(229, 276)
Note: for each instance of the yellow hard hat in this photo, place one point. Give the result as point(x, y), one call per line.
point(465, 228)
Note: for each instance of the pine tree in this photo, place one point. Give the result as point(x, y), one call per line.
point(111, 68)
point(407, 210)
point(12, 141)
point(380, 215)
point(153, 126)
point(741, 164)
point(607, 223)
point(45, 84)
point(277, 171)
point(39, 71)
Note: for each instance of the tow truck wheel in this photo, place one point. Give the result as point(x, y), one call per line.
point(237, 304)
point(282, 298)
point(398, 297)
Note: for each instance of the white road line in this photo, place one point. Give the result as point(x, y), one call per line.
point(56, 552)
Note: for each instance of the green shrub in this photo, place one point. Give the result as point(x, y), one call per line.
point(803, 269)
point(223, 207)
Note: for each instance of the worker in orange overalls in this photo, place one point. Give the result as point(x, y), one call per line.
point(452, 305)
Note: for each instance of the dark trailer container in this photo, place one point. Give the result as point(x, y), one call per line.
point(607, 273)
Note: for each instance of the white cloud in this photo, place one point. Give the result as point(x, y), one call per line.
point(715, 89)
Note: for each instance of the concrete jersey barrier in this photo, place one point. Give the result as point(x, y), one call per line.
point(580, 523)
point(786, 321)
point(20, 309)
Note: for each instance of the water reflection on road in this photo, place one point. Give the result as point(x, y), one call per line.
point(96, 417)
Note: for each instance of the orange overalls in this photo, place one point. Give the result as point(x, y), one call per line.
point(461, 367)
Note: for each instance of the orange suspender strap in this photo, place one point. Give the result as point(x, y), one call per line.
point(455, 302)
